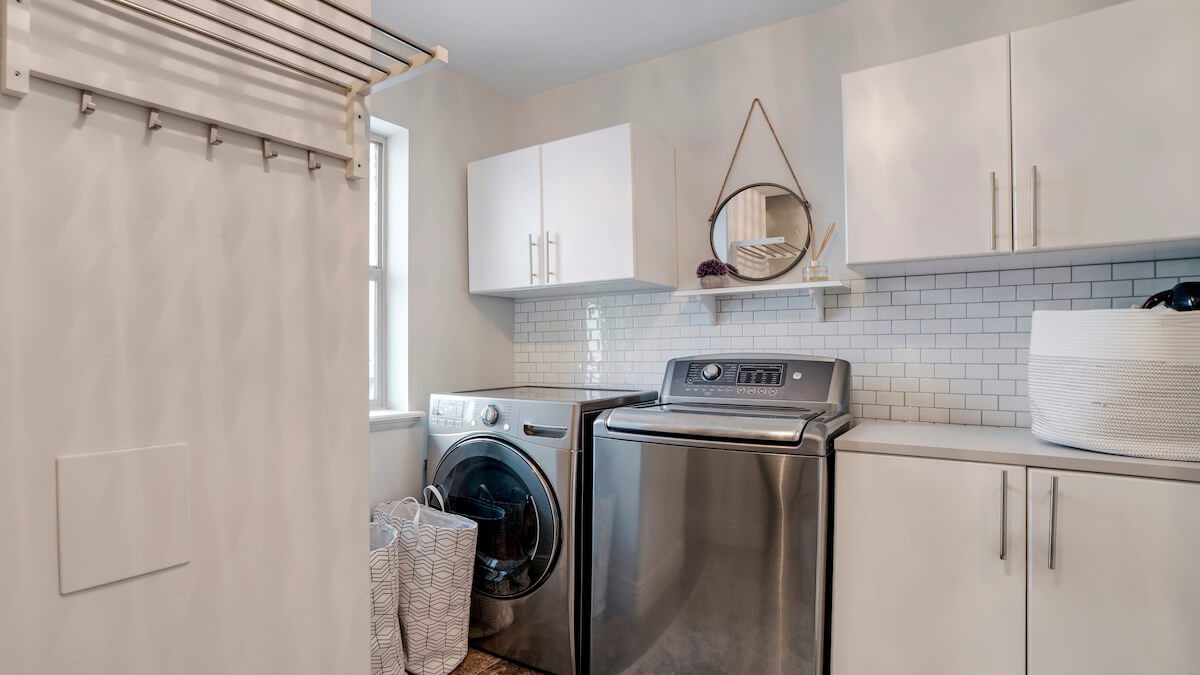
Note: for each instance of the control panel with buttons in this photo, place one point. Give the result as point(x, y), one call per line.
point(465, 414)
point(749, 380)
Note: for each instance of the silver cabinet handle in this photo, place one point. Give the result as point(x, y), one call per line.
point(532, 245)
point(992, 190)
point(1003, 514)
point(1053, 519)
point(1033, 208)
point(549, 242)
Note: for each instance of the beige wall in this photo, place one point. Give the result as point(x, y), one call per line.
point(697, 99)
point(454, 340)
point(156, 290)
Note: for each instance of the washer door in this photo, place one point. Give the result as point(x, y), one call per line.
point(496, 485)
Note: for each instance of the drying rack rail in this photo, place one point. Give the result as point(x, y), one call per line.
point(353, 63)
point(770, 248)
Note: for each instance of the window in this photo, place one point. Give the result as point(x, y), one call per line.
point(377, 292)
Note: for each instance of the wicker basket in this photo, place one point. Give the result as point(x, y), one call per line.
point(1123, 381)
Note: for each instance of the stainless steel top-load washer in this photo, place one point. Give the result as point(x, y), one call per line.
point(512, 460)
point(711, 518)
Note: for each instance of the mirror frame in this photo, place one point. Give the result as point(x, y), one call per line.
point(712, 227)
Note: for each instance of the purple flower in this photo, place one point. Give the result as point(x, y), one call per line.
point(714, 268)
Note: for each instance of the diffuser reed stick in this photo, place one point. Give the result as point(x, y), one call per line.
point(825, 241)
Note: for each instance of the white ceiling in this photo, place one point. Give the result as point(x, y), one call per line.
point(522, 47)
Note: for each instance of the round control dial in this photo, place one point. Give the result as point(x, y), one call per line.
point(711, 372)
point(489, 415)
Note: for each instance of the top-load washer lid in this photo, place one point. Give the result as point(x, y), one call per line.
point(744, 424)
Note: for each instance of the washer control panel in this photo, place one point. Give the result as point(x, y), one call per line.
point(451, 413)
point(766, 378)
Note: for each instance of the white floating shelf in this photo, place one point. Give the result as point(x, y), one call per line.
point(708, 296)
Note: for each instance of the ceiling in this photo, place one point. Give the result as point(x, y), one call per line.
point(523, 47)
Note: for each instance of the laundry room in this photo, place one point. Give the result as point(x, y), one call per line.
point(776, 336)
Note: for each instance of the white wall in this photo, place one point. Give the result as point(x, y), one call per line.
point(154, 289)
point(455, 340)
point(697, 99)
point(397, 455)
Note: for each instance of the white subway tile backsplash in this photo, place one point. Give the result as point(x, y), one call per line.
point(1112, 289)
point(1136, 270)
point(1179, 268)
point(1069, 291)
point(1016, 277)
point(935, 348)
point(916, 283)
point(1091, 273)
point(1050, 275)
point(979, 279)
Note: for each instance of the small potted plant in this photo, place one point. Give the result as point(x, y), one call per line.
point(713, 273)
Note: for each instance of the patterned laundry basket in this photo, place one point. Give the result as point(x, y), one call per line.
point(1121, 381)
point(436, 566)
point(387, 652)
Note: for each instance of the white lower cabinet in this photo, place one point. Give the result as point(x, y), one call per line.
point(1124, 592)
point(1111, 582)
point(929, 574)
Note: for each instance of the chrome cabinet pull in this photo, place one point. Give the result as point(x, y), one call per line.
point(1053, 519)
point(992, 189)
point(549, 242)
point(532, 245)
point(1003, 514)
point(1033, 210)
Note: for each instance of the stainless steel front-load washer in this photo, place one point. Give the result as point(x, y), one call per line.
point(512, 460)
point(711, 518)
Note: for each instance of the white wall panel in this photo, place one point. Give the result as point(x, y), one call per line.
point(154, 289)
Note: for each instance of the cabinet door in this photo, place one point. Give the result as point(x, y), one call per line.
point(1105, 105)
point(927, 157)
point(919, 584)
point(504, 221)
point(587, 184)
point(1124, 593)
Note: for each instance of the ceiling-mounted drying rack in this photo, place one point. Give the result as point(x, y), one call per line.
point(355, 72)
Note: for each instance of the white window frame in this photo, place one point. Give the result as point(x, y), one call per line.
point(378, 274)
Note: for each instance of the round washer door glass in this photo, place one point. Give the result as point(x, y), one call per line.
point(496, 485)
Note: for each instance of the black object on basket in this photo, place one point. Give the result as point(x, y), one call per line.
point(1184, 297)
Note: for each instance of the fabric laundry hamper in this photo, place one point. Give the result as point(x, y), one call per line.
point(387, 652)
point(1121, 381)
point(436, 566)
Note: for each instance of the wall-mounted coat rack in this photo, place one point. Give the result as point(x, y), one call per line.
point(350, 63)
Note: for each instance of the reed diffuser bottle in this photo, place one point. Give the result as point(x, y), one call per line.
point(815, 271)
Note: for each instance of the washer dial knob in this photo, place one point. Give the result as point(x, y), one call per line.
point(711, 372)
point(489, 415)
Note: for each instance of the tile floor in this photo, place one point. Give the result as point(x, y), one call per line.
point(479, 663)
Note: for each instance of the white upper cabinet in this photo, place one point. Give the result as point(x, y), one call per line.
point(1106, 105)
point(588, 206)
point(927, 156)
point(504, 213)
point(928, 567)
point(603, 217)
point(1124, 592)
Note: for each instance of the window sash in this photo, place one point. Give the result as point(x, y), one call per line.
point(378, 275)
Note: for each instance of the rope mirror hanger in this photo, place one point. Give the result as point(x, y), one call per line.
point(799, 195)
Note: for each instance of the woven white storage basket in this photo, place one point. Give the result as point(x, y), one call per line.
point(1122, 381)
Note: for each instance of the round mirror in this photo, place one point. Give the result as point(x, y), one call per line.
point(762, 230)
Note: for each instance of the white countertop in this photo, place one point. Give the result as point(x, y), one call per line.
point(1000, 446)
